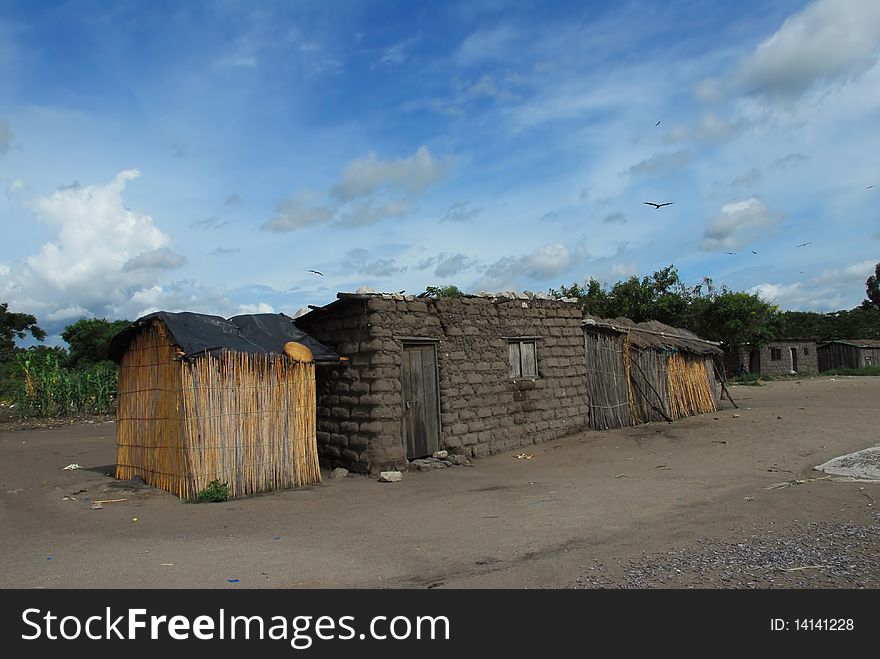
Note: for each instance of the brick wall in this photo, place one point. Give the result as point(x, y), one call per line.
point(482, 410)
point(807, 364)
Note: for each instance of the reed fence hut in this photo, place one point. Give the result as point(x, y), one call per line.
point(642, 372)
point(204, 398)
point(848, 353)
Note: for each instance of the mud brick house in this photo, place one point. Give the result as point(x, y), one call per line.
point(471, 374)
point(777, 357)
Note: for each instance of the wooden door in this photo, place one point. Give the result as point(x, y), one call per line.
point(421, 401)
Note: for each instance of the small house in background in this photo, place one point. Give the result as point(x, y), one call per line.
point(475, 375)
point(642, 372)
point(776, 357)
point(202, 398)
point(850, 353)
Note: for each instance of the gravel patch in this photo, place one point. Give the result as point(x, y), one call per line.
point(807, 555)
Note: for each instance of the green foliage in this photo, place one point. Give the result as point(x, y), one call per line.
point(216, 492)
point(16, 326)
point(860, 323)
point(872, 288)
point(46, 388)
point(717, 314)
point(443, 291)
point(864, 370)
point(89, 339)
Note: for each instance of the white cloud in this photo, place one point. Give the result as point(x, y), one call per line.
point(376, 268)
point(829, 290)
point(827, 39)
point(486, 45)
point(708, 90)
point(399, 52)
point(381, 268)
point(212, 222)
point(82, 270)
point(14, 188)
point(460, 212)
point(70, 313)
point(260, 307)
point(368, 211)
point(159, 259)
point(739, 224)
point(542, 264)
point(788, 161)
point(615, 218)
point(298, 212)
point(661, 163)
point(449, 266)
point(413, 174)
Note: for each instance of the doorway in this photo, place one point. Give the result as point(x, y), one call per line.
point(421, 400)
point(755, 362)
point(794, 364)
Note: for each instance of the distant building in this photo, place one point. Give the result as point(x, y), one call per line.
point(849, 353)
point(777, 357)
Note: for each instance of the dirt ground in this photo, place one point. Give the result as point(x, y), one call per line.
point(661, 505)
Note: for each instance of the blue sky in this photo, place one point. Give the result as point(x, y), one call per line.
point(205, 156)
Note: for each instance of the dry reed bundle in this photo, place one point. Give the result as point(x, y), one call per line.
point(149, 434)
point(250, 422)
point(690, 383)
point(649, 382)
point(607, 382)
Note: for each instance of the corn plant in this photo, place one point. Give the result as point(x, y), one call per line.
point(47, 389)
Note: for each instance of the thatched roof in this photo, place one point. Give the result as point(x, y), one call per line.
point(197, 333)
point(656, 335)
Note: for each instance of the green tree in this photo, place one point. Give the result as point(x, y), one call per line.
point(872, 288)
point(16, 326)
point(89, 339)
point(717, 314)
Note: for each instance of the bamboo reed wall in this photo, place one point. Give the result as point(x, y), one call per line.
point(627, 386)
point(243, 419)
point(149, 428)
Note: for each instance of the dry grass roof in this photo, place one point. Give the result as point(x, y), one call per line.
point(656, 335)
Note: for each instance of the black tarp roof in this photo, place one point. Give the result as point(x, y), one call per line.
point(198, 333)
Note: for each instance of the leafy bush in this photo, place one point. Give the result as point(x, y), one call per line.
point(216, 492)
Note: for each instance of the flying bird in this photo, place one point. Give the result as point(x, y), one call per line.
point(317, 273)
point(754, 252)
point(731, 253)
point(870, 186)
point(804, 244)
point(658, 206)
point(657, 124)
